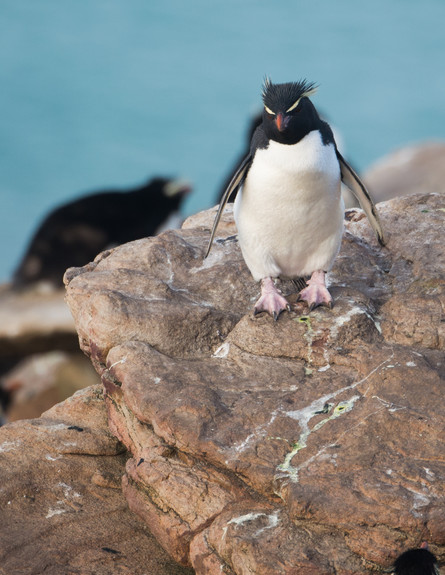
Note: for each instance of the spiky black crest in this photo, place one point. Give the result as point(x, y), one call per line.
point(281, 96)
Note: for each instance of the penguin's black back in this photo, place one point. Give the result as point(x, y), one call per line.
point(73, 234)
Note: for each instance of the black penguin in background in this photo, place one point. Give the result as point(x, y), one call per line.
point(73, 234)
point(416, 562)
point(288, 210)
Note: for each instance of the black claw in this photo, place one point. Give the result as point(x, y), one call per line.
point(274, 314)
point(313, 305)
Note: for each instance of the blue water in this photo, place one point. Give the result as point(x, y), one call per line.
point(109, 92)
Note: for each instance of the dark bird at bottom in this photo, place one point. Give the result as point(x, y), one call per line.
point(416, 562)
point(288, 210)
point(74, 233)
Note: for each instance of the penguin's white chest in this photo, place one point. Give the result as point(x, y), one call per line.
point(289, 213)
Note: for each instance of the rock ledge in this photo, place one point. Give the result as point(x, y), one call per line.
point(309, 445)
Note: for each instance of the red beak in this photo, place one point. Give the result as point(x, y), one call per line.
point(281, 121)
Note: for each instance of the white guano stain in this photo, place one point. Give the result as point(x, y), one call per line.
point(63, 506)
point(303, 416)
point(324, 368)
point(120, 361)
point(272, 521)
point(430, 474)
point(392, 407)
point(419, 500)
point(49, 457)
point(215, 257)
point(345, 318)
point(68, 491)
point(53, 427)
point(52, 512)
point(285, 469)
point(260, 432)
point(222, 351)
point(9, 446)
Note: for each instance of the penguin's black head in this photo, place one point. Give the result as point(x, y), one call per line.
point(288, 113)
point(176, 190)
point(164, 193)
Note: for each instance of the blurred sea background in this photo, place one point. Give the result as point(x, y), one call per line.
point(109, 93)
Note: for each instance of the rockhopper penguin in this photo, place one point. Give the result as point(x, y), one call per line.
point(74, 233)
point(289, 211)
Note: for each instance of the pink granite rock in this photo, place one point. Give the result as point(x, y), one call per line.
point(61, 506)
point(407, 171)
point(309, 445)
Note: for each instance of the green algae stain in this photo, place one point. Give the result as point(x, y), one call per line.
point(308, 336)
point(306, 320)
point(341, 408)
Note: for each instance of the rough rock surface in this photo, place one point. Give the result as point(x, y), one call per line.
point(62, 511)
point(407, 171)
point(309, 445)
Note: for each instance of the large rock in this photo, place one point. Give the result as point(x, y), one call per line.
point(61, 507)
point(309, 445)
point(407, 171)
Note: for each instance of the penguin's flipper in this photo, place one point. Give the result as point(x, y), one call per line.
point(233, 186)
point(351, 179)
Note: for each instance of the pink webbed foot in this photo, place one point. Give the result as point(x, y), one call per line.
point(316, 292)
point(271, 299)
